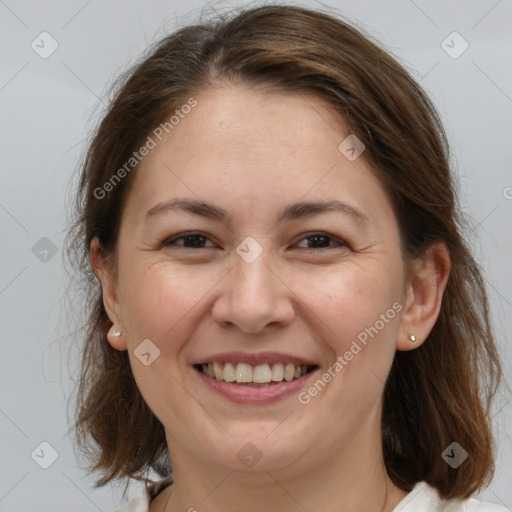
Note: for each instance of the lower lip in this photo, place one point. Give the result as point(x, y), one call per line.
point(255, 394)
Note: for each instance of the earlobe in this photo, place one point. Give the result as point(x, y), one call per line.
point(425, 293)
point(109, 293)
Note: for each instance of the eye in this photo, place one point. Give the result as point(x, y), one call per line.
point(197, 240)
point(321, 241)
point(190, 240)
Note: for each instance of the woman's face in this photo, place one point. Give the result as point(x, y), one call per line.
point(258, 288)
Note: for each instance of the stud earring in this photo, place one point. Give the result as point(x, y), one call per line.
point(412, 338)
point(115, 333)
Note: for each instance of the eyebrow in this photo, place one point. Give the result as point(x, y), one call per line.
point(291, 212)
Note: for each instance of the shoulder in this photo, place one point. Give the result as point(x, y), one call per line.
point(141, 503)
point(424, 498)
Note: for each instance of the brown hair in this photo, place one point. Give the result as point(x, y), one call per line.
point(434, 395)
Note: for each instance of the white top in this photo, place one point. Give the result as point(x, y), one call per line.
point(422, 498)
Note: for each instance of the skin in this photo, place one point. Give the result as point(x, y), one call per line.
point(252, 153)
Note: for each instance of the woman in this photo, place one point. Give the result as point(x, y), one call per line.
point(283, 305)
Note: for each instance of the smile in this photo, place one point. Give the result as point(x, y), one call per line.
point(249, 375)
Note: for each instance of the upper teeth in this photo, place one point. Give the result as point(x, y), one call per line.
point(245, 373)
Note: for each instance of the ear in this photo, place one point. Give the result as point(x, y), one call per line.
point(424, 294)
point(108, 279)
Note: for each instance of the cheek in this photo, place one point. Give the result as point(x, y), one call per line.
point(358, 316)
point(349, 303)
point(160, 296)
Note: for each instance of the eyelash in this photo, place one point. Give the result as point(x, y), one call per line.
point(173, 240)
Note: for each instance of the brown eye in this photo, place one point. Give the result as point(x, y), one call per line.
point(190, 240)
point(321, 241)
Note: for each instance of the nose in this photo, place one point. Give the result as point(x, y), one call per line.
point(254, 296)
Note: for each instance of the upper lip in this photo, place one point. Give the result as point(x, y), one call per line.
point(254, 359)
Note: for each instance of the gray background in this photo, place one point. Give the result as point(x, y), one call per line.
point(49, 105)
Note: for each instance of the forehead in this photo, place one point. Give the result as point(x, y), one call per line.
point(257, 121)
point(247, 145)
point(249, 126)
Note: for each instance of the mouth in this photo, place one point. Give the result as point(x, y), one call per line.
point(261, 375)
